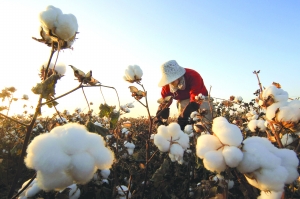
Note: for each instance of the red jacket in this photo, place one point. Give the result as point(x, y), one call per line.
point(193, 86)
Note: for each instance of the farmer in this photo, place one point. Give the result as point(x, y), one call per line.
point(183, 84)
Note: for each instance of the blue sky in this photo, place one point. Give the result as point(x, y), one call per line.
point(225, 41)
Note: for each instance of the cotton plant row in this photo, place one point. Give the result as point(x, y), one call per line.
point(68, 154)
point(264, 166)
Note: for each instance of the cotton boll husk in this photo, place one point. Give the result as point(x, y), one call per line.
point(184, 140)
point(162, 144)
point(287, 114)
point(163, 131)
point(66, 26)
point(73, 138)
point(137, 71)
point(48, 17)
point(54, 181)
point(207, 143)
point(269, 179)
point(229, 134)
point(174, 130)
point(271, 110)
point(83, 167)
point(232, 156)
point(105, 173)
point(104, 157)
point(270, 195)
point(32, 191)
point(44, 153)
point(214, 161)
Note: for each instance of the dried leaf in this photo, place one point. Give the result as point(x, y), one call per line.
point(133, 89)
point(84, 78)
point(46, 88)
point(276, 84)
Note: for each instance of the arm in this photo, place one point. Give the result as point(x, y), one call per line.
point(197, 86)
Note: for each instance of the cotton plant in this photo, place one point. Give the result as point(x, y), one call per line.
point(67, 154)
point(222, 148)
point(265, 166)
point(173, 140)
point(56, 26)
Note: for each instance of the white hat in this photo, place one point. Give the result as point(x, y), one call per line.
point(170, 72)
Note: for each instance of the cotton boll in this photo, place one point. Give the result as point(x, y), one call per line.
point(129, 73)
point(137, 71)
point(271, 110)
point(174, 130)
point(177, 151)
point(74, 138)
point(256, 124)
point(229, 134)
point(74, 192)
point(188, 129)
point(44, 153)
point(184, 140)
point(262, 141)
point(94, 139)
point(32, 190)
point(60, 68)
point(251, 115)
point(261, 125)
point(287, 139)
point(162, 144)
point(105, 173)
point(104, 157)
point(218, 123)
point(48, 17)
point(270, 195)
point(172, 157)
point(66, 26)
point(57, 181)
point(206, 143)
point(83, 167)
point(214, 161)
point(163, 131)
point(278, 94)
point(232, 156)
point(194, 114)
point(288, 114)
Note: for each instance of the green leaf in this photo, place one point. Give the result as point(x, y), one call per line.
point(46, 88)
point(97, 129)
point(114, 117)
point(105, 110)
point(159, 174)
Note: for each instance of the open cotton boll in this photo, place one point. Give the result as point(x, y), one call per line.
point(174, 130)
point(288, 114)
point(73, 138)
point(44, 153)
point(287, 139)
point(162, 144)
point(105, 173)
point(214, 161)
point(251, 115)
point(184, 140)
point(54, 181)
point(66, 26)
point(130, 147)
point(278, 94)
point(176, 150)
point(229, 134)
point(261, 140)
point(104, 157)
point(256, 124)
point(129, 73)
point(162, 130)
point(137, 71)
point(271, 110)
point(269, 179)
point(60, 68)
point(206, 143)
point(194, 114)
point(270, 195)
point(232, 156)
point(82, 167)
point(188, 129)
point(32, 190)
point(94, 139)
point(49, 16)
point(74, 193)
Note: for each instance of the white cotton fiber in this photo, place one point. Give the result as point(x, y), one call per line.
point(104, 157)
point(184, 140)
point(176, 150)
point(229, 134)
point(137, 71)
point(129, 73)
point(262, 141)
point(74, 138)
point(188, 129)
point(55, 181)
point(288, 114)
point(66, 26)
point(163, 131)
point(105, 173)
point(162, 144)
point(257, 124)
point(32, 191)
point(94, 139)
point(83, 167)
point(271, 110)
point(174, 130)
point(278, 94)
point(44, 153)
point(48, 17)
point(232, 156)
point(270, 195)
point(287, 139)
point(214, 161)
point(206, 143)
